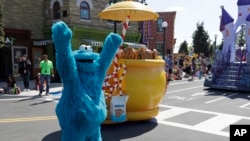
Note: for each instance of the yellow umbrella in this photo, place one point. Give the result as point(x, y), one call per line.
point(135, 10)
point(126, 11)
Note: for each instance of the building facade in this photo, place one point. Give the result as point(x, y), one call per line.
point(153, 33)
point(27, 27)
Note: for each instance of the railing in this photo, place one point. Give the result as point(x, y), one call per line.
point(241, 55)
point(221, 64)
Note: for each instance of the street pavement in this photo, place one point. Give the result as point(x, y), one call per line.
point(188, 112)
point(54, 87)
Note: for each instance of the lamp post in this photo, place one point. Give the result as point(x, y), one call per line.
point(115, 24)
point(215, 38)
point(164, 26)
point(143, 2)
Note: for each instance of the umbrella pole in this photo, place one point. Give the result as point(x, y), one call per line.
point(118, 82)
point(117, 86)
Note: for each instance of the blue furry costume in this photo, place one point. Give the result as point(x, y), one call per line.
point(82, 107)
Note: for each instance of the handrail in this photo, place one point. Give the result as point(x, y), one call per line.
point(239, 68)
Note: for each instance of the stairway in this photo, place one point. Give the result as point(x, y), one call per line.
point(230, 77)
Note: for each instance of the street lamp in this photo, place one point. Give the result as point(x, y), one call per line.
point(164, 26)
point(115, 24)
point(143, 2)
point(215, 38)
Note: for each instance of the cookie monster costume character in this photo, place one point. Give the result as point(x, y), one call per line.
point(82, 107)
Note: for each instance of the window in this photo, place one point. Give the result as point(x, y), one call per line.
point(56, 11)
point(159, 47)
point(84, 11)
point(159, 25)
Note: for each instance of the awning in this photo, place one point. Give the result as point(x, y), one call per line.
point(95, 43)
point(41, 43)
point(92, 43)
point(134, 45)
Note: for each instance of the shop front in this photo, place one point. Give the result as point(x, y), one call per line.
point(17, 44)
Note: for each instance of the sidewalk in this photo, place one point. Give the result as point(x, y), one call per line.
point(54, 87)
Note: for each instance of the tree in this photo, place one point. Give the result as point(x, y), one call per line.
point(2, 42)
point(201, 41)
point(220, 46)
point(184, 48)
point(212, 48)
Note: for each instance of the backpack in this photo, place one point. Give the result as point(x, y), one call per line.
point(16, 90)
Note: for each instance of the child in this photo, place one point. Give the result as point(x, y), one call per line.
point(37, 82)
point(11, 87)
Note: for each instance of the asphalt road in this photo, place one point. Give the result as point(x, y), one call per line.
point(188, 112)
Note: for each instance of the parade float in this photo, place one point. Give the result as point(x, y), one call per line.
point(231, 67)
point(136, 81)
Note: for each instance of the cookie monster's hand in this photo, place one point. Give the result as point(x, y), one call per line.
point(65, 63)
point(61, 35)
point(110, 47)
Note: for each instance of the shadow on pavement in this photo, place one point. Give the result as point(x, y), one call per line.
point(232, 94)
point(29, 98)
point(55, 136)
point(115, 132)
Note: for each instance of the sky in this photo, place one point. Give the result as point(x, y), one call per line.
point(191, 12)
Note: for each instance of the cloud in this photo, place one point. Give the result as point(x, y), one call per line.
point(176, 8)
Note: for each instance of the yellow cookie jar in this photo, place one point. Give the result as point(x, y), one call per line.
point(145, 85)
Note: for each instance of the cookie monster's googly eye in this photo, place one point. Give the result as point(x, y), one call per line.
point(86, 48)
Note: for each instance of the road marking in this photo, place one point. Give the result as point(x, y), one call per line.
point(213, 125)
point(178, 83)
point(220, 133)
point(46, 98)
point(170, 113)
point(12, 99)
point(184, 89)
point(197, 94)
point(245, 106)
point(183, 98)
point(221, 98)
point(218, 123)
point(203, 111)
point(172, 84)
point(28, 119)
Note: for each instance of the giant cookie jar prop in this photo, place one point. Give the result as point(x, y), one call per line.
point(145, 85)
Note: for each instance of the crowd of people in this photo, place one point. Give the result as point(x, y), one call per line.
point(42, 80)
point(182, 66)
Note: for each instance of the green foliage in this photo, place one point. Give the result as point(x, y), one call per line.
point(183, 48)
point(241, 35)
point(2, 42)
point(220, 46)
point(212, 49)
point(201, 41)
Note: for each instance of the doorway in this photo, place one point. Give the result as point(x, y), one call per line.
point(17, 52)
point(36, 57)
point(5, 63)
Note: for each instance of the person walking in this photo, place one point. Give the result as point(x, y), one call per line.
point(46, 69)
point(193, 65)
point(24, 70)
point(169, 62)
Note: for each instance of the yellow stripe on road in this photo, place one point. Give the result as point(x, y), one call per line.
point(9, 120)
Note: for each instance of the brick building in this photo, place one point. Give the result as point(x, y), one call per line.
point(153, 32)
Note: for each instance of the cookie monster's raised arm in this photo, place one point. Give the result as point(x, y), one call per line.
point(65, 63)
point(110, 47)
